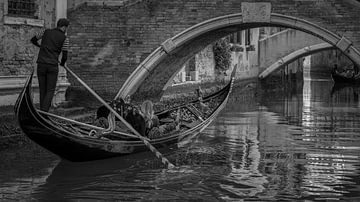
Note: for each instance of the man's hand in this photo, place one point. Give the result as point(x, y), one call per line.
point(34, 41)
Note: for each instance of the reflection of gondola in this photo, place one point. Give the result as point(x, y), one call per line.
point(352, 90)
point(338, 86)
point(134, 177)
point(72, 140)
point(72, 170)
point(71, 181)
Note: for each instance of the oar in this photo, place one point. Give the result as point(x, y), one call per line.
point(146, 142)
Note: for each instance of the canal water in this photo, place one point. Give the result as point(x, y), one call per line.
point(268, 144)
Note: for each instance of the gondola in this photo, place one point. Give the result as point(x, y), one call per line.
point(340, 78)
point(72, 140)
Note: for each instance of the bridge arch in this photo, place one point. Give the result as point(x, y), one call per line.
point(295, 55)
point(165, 61)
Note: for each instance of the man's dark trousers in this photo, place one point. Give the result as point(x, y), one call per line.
point(47, 76)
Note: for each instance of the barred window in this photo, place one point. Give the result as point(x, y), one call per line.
point(22, 8)
point(236, 37)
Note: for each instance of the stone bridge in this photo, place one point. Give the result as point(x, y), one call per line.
point(147, 42)
point(283, 48)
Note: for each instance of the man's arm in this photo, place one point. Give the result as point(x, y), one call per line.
point(64, 49)
point(63, 58)
point(37, 37)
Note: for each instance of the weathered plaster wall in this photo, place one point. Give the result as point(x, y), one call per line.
point(281, 44)
point(205, 64)
point(247, 60)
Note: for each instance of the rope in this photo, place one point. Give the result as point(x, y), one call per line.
point(92, 132)
point(110, 129)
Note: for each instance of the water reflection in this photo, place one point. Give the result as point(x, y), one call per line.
point(100, 180)
point(240, 132)
point(138, 177)
point(320, 150)
point(22, 170)
point(332, 127)
point(265, 146)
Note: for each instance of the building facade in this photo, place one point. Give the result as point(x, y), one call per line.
point(244, 54)
point(19, 21)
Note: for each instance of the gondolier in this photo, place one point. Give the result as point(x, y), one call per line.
point(53, 42)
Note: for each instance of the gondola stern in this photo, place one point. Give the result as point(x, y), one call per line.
point(26, 90)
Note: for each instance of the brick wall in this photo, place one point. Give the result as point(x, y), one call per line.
point(115, 39)
point(109, 40)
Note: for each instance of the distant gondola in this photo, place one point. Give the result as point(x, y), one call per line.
point(342, 78)
point(72, 140)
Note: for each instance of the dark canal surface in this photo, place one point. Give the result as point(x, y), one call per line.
point(267, 145)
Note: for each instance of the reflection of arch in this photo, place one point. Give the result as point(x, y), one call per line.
point(294, 55)
point(177, 49)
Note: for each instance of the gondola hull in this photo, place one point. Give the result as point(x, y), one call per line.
point(77, 148)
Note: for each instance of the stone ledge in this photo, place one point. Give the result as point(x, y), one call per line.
point(18, 83)
point(8, 20)
point(10, 86)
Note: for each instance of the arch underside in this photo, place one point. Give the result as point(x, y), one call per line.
point(160, 67)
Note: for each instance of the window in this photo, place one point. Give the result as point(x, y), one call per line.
point(235, 38)
point(192, 64)
point(262, 32)
point(239, 37)
point(247, 37)
point(231, 38)
point(23, 12)
point(22, 8)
